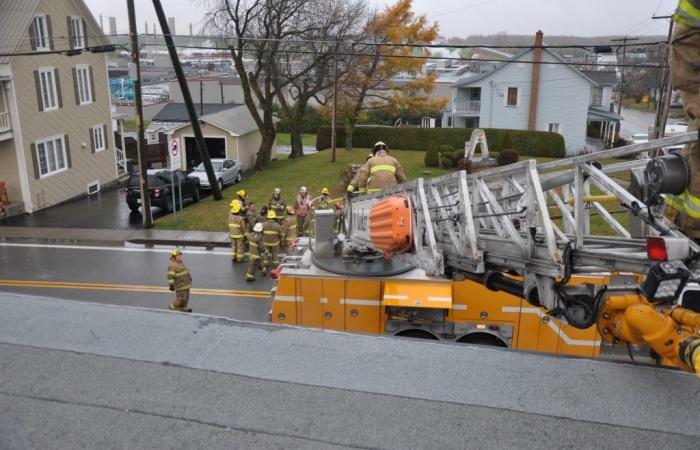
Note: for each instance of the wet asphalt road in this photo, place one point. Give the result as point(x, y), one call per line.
point(132, 276)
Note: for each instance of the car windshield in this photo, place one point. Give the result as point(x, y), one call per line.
point(215, 165)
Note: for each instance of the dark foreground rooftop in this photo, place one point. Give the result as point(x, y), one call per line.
point(85, 375)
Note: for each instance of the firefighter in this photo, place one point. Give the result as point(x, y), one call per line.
point(242, 196)
point(289, 229)
point(256, 251)
point(322, 201)
point(250, 215)
point(338, 214)
point(685, 76)
point(277, 205)
point(301, 209)
point(236, 229)
point(272, 237)
point(379, 172)
point(179, 281)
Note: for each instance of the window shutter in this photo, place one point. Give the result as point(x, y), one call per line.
point(49, 31)
point(70, 33)
point(92, 84)
point(92, 140)
point(104, 137)
point(32, 37)
point(75, 86)
point(37, 82)
point(35, 161)
point(85, 34)
point(517, 98)
point(65, 141)
point(58, 88)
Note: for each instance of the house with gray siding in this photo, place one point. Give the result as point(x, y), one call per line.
point(559, 100)
point(56, 139)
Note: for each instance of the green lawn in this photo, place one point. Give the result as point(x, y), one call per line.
point(130, 125)
point(639, 106)
point(313, 171)
point(306, 139)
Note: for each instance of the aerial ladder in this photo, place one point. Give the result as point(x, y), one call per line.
point(527, 229)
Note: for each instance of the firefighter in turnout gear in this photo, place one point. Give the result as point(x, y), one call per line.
point(289, 229)
point(256, 251)
point(322, 201)
point(272, 237)
point(379, 172)
point(338, 214)
point(250, 216)
point(301, 209)
point(277, 205)
point(179, 281)
point(242, 196)
point(236, 229)
point(685, 76)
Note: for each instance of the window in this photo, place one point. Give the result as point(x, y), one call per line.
point(51, 156)
point(512, 98)
point(77, 33)
point(47, 87)
point(596, 96)
point(98, 138)
point(41, 33)
point(553, 127)
point(82, 74)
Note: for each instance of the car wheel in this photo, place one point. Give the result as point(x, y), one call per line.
point(221, 184)
point(168, 204)
point(133, 206)
point(239, 177)
point(195, 194)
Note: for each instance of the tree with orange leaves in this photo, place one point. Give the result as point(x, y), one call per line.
point(384, 71)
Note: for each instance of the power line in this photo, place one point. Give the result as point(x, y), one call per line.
point(462, 8)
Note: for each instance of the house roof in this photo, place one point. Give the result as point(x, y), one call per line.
point(600, 113)
point(15, 16)
point(237, 120)
point(177, 112)
point(602, 77)
point(478, 77)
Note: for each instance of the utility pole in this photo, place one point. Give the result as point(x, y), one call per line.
point(622, 72)
point(664, 100)
point(335, 104)
point(182, 81)
point(136, 58)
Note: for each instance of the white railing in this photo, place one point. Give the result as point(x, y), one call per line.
point(466, 106)
point(5, 122)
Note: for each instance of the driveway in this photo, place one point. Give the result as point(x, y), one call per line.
point(107, 209)
point(635, 122)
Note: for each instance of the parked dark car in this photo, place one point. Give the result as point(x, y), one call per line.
point(160, 187)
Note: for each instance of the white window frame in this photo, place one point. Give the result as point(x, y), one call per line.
point(551, 125)
point(46, 75)
point(41, 43)
point(77, 32)
point(56, 156)
point(98, 131)
point(517, 96)
point(82, 72)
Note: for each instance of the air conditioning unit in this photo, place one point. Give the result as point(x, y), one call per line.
point(94, 187)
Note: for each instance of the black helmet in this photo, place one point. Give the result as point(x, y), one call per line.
point(263, 210)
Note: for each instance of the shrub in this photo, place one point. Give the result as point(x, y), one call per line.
point(457, 155)
point(507, 143)
point(446, 149)
point(432, 156)
point(446, 163)
point(528, 143)
point(508, 156)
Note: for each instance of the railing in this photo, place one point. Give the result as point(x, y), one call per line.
point(5, 123)
point(466, 106)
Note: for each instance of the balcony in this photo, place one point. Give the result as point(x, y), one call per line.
point(466, 107)
point(5, 126)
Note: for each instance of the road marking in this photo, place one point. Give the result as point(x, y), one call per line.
point(130, 288)
point(115, 249)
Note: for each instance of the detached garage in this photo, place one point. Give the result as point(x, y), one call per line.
point(229, 132)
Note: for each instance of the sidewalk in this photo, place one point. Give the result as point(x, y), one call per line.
point(147, 237)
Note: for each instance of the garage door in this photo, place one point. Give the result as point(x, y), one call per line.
point(215, 146)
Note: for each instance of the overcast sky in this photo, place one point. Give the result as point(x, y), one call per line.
point(461, 17)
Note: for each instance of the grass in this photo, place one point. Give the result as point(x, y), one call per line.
point(130, 125)
point(313, 171)
point(306, 139)
point(630, 103)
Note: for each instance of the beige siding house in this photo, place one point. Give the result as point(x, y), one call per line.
point(56, 139)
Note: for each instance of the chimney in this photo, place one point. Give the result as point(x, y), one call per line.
point(190, 28)
point(146, 27)
point(535, 83)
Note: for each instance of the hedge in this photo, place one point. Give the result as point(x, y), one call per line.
point(527, 143)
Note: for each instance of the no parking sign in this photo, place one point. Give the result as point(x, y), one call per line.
point(175, 154)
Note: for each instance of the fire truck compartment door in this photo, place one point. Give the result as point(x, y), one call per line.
point(415, 295)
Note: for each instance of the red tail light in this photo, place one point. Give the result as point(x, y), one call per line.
point(656, 249)
point(156, 192)
point(275, 274)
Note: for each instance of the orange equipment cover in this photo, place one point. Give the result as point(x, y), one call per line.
point(390, 225)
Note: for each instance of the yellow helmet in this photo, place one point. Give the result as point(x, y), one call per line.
point(235, 206)
point(325, 191)
point(242, 193)
point(271, 214)
point(176, 251)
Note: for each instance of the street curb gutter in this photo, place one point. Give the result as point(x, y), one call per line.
point(179, 242)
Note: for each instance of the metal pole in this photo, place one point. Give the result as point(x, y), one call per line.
point(182, 81)
point(179, 192)
point(335, 105)
point(172, 189)
point(664, 100)
point(145, 197)
point(201, 98)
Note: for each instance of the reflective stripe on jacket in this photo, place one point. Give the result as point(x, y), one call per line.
point(272, 233)
point(254, 243)
point(685, 203)
point(236, 226)
point(379, 172)
point(179, 276)
point(688, 13)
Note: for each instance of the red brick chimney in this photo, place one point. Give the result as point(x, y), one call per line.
point(535, 84)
